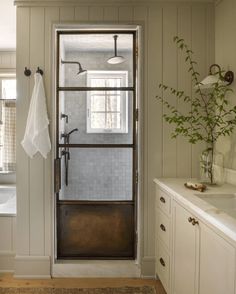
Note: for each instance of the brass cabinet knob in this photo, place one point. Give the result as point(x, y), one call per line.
point(162, 199)
point(162, 262)
point(195, 222)
point(190, 219)
point(163, 227)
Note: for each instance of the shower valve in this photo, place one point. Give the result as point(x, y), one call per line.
point(65, 153)
point(63, 115)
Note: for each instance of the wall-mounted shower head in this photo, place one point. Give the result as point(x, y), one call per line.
point(81, 70)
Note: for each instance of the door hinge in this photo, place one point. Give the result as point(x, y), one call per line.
point(137, 114)
point(136, 177)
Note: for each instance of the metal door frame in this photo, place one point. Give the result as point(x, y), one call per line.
point(134, 144)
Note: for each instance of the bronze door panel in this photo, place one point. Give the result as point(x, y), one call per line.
point(96, 231)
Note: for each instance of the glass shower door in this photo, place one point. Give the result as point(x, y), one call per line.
point(96, 149)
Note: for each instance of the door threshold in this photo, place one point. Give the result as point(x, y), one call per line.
point(96, 269)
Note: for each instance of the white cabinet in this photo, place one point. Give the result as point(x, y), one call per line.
point(185, 251)
point(163, 238)
point(217, 263)
point(203, 262)
point(191, 256)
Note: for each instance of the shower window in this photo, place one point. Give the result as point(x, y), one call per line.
point(107, 111)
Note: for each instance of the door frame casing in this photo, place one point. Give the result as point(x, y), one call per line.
point(139, 87)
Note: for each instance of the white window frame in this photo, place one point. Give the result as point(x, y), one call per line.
point(124, 100)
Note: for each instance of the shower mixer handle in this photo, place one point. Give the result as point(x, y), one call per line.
point(63, 115)
point(65, 153)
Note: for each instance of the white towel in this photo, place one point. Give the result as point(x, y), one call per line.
point(36, 136)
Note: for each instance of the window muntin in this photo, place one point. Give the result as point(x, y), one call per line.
point(107, 110)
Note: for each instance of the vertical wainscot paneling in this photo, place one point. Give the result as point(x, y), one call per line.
point(23, 172)
point(184, 149)
point(170, 79)
point(160, 61)
point(199, 47)
point(51, 16)
point(36, 176)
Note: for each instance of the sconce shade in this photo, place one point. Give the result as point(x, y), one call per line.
point(218, 77)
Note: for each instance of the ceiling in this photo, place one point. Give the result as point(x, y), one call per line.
point(96, 42)
point(7, 25)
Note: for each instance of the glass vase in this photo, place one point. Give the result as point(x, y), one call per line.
point(211, 167)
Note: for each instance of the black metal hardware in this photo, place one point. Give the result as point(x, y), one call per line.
point(162, 199)
point(63, 115)
point(162, 262)
point(163, 227)
point(27, 72)
point(57, 177)
point(227, 77)
point(39, 70)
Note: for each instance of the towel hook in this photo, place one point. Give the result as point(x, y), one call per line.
point(27, 72)
point(39, 70)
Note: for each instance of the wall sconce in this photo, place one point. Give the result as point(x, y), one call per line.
point(212, 79)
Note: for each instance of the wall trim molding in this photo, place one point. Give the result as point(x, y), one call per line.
point(148, 267)
point(75, 3)
point(30, 267)
point(7, 261)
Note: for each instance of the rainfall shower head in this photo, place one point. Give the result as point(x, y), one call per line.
point(81, 70)
point(116, 59)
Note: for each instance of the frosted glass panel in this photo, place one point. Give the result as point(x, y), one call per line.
point(97, 174)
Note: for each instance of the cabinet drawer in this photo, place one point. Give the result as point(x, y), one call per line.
point(163, 228)
point(163, 266)
point(163, 201)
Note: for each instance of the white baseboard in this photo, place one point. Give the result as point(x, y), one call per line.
point(32, 267)
point(96, 269)
point(7, 260)
point(148, 267)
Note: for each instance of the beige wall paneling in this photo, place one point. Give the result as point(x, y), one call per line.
point(96, 13)
point(22, 170)
point(169, 78)
point(126, 14)
point(6, 233)
point(153, 123)
point(67, 13)
point(111, 13)
point(51, 16)
point(153, 114)
point(225, 44)
point(37, 163)
point(82, 13)
point(184, 149)
point(199, 47)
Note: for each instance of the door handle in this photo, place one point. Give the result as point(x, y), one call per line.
point(57, 176)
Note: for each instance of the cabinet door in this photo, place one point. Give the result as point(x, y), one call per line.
point(185, 253)
point(217, 263)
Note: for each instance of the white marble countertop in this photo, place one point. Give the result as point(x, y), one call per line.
point(217, 218)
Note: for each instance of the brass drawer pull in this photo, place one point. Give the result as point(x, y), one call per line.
point(162, 262)
point(190, 219)
point(193, 221)
point(163, 227)
point(162, 199)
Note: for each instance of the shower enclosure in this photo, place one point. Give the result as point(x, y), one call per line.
point(96, 144)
